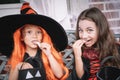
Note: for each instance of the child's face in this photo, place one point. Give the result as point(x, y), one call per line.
point(88, 32)
point(31, 34)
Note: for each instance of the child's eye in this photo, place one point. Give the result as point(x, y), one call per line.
point(29, 32)
point(39, 32)
point(89, 30)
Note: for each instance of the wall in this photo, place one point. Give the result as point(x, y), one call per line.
point(111, 9)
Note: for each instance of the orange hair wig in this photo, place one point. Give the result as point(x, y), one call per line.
point(19, 51)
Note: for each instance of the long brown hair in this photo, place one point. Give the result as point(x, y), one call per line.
point(19, 51)
point(106, 43)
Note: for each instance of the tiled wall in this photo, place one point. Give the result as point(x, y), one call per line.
point(111, 9)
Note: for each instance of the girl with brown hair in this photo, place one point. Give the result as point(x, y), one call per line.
point(95, 49)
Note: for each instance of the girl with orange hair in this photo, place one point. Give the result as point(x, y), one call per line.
point(32, 43)
point(38, 41)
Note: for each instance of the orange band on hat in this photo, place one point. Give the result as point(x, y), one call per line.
point(25, 5)
point(30, 12)
point(26, 9)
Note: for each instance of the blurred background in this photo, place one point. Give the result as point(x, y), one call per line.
point(66, 13)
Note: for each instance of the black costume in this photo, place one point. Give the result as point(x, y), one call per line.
point(103, 73)
point(37, 72)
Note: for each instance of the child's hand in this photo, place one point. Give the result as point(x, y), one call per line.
point(37, 43)
point(77, 47)
point(46, 48)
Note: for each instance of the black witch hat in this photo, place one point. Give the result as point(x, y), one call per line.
point(10, 23)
